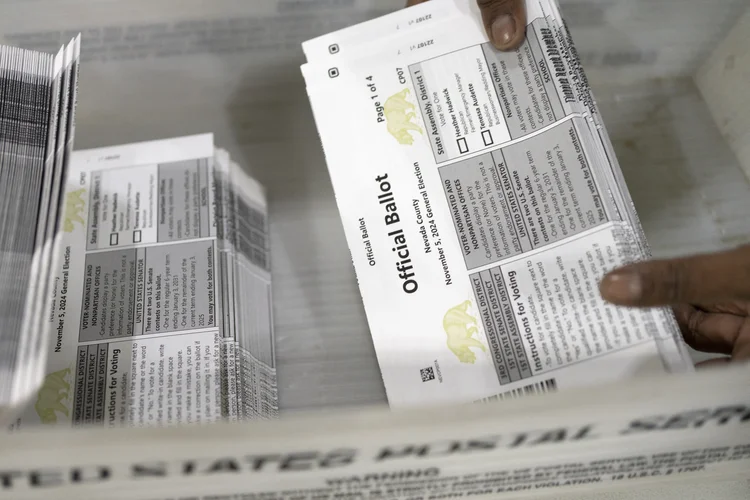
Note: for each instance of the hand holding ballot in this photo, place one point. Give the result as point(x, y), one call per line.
point(504, 20)
point(483, 204)
point(710, 294)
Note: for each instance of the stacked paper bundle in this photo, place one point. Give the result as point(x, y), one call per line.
point(37, 111)
point(482, 203)
point(135, 284)
point(162, 302)
point(247, 320)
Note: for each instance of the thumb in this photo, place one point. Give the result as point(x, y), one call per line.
point(505, 22)
point(699, 279)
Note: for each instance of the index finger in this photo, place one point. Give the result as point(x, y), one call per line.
point(698, 279)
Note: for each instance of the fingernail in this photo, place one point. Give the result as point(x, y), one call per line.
point(503, 30)
point(621, 287)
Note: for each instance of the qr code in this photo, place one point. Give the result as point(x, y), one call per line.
point(427, 374)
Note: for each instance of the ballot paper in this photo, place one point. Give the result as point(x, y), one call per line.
point(482, 203)
point(37, 116)
point(161, 299)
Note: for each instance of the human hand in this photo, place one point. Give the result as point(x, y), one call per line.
point(710, 295)
point(504, 20)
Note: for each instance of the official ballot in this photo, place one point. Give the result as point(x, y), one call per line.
point(482, 203)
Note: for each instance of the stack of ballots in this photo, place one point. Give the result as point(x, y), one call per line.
point(37, 113)
point(153, 301)
point(482, 203)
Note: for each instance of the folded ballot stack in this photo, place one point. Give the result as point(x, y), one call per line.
point(162, 304)
point(37, 116)
point(134, 280)
point(482, 203)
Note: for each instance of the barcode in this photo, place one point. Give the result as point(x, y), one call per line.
point(542, 387)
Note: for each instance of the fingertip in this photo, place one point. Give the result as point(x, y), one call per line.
point(503, 31)
point(622, 287)
point(505, 21)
